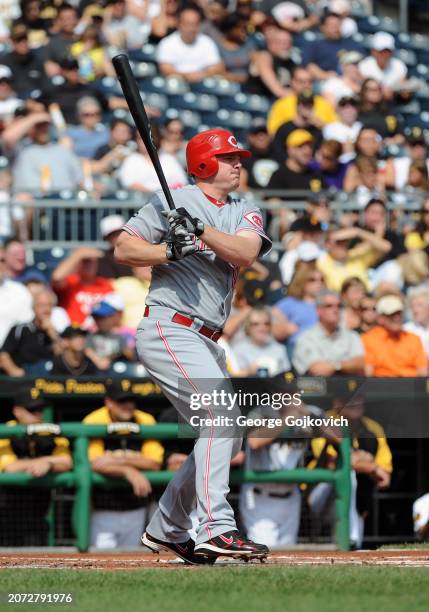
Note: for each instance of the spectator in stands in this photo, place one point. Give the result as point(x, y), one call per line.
point(38, 26)
point(257, 170)
point(90, 134)
point(368, 313)
point(60, 43)
point(418, 303)
point(348, 83)
point(78, 284)
point(375, 219)
point(104, 345)
point(122, 29)
point(28, 73)
point(305, 119)
point(15, 302)
point(317, 209)
point(108, 157)
point(327, 162)
point(303, 239)
point(297, 311)
point(110, 228)
point(35, 281)
point(371, 461)
point(397, 172)
point(236, 48)
point(374, 113)
point(94, 62)
point(23, 511)
point(119, 515)
point(419, 237)
point(271, 68)
point(285, 109)
point(9, 101)
point(295, 172)
point(187, 52)
point(363, 176)
point(68, 93)
point(138, 174)
point(418, 178)
point(340, 262)
point(166, 22)
point(133, 290)
point(346, 129)
point(368, 143)
point(343, 9)
point(293, 15)
point(352, 293)
point(29, 344)
point(328, 349)
point(73, 359)
point(321, 55)
point(15, 259)
point(44, 165)
point(259, 352)
point(389, 349)
point(172, 140)
point(381, 66)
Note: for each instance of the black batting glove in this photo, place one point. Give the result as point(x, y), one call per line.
point(181, 244)
point(181, 218)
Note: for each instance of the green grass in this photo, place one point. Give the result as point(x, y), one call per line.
point(242, 589)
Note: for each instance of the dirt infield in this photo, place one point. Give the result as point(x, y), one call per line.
point(142, 560)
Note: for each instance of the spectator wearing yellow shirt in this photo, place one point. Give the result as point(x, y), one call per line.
point(371, 461)
point(285, 109)
point(339, 262)
point(119, 513)
point(23, 509)
point(91, 55)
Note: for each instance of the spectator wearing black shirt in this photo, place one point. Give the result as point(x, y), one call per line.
point(110, 228)
point(236, 48)
point(257, 170)
point(304, 119)
point(60, 43)
point(104, 346)
point(271, 68)
point(68, 93)
point(375, 113)
point(30, 343)
point(375, 220)
point(321, 55)
point(73, 359)
point(296, 173)
point(38, 26)
point(27, 68)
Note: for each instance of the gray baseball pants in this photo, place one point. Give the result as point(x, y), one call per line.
point(183, 363)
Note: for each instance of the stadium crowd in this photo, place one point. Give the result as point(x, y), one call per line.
point(348, 293)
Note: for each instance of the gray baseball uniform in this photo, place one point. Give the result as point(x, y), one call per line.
point(184, 362)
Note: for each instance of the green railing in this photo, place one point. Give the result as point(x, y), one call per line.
point(82, 478)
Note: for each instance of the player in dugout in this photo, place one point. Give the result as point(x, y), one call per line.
point(23, 509)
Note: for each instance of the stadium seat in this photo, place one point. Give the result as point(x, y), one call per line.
point(145, 54)
point(126, 368)
point(46, 260)
point(421, 120)
point(144, 69)
point(108, 86)
point(189, 118)
point(156, 100)
point(408, 56)
point(420, 71)
point(412, 108)
point(220, 87)
point(152, 85)
point(233, 120)
point(372, 24)
point(192, 101)
point(251, 103)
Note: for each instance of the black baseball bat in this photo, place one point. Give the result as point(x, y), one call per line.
point(132, 95)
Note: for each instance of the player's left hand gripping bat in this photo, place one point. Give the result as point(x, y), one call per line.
point(132, 95)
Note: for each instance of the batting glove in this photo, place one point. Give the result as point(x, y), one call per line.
point(181, 218)
point(181, 244)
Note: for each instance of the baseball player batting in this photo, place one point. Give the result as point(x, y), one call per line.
point(196, 252)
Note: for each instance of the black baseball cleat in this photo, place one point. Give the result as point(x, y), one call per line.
point(185, 550)
point(232, 544)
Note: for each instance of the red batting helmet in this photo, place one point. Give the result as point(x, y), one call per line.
point(202, 149)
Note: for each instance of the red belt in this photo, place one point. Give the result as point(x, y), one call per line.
point(213, 334)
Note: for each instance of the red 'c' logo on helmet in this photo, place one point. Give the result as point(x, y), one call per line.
point(232, 141)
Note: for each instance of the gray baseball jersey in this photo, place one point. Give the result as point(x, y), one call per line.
point(200, 285)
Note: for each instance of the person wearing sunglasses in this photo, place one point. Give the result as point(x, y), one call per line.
point(327, 348)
